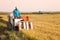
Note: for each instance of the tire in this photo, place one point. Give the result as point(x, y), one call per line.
point(9, 25)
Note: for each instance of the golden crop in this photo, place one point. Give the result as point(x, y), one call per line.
point(45, 26)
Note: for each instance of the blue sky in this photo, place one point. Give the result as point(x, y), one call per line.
point(30, 5)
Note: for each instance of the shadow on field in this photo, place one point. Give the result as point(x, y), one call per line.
point(3, 29)
point(0, 17)
point(6, 34)
point(3, 21)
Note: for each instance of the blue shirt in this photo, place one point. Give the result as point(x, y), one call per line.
point(16, 12)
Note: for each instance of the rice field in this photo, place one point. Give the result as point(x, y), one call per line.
point(45, 27)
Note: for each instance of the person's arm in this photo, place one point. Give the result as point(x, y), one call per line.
point(14, 12)
point(19, 12)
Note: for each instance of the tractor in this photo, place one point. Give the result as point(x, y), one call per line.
point(19, 23)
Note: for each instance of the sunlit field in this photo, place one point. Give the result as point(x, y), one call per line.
point(45, 27)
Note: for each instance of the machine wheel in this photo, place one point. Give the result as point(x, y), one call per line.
point(9, 25)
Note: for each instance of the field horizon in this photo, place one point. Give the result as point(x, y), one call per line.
point(39, 12)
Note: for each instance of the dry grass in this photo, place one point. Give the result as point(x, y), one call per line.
point(46, 26)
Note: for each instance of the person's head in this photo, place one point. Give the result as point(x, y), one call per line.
point(16, 8)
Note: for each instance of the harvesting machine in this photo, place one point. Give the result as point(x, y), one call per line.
point(19, 23)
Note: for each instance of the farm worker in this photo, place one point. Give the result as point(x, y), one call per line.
point(16, 13)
